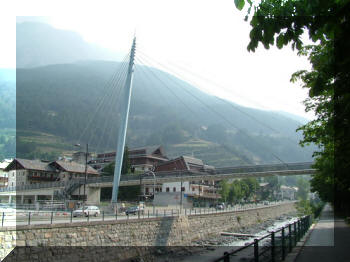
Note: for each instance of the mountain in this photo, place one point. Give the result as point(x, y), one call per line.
point(62, 100)
point(63, 97)
point(39, 44)
point(7, 113)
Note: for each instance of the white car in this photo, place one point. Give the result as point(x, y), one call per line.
point(88, 211)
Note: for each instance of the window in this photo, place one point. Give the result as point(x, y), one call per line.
point(183, 189)
point(193, 189)
point(174, 189)
point(167, 189)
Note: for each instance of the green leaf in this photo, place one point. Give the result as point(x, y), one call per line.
point(280, 41)
point(239, 4)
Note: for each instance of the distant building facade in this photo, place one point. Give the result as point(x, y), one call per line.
point(3, 173)
point(142, 159)
point(193, 191)
point(24, 171)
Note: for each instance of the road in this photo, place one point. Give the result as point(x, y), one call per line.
point(41, 217)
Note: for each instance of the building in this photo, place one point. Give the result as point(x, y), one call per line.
point(142, 159)
point(24, 171)
point(184, 163)
point(193, 191)
point(3, 173)
point(288, 192)
point(80, 157)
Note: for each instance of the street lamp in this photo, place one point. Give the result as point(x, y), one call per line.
point(86, 156)
point(154, 185)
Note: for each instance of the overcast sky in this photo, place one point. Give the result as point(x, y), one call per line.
point(207, 37)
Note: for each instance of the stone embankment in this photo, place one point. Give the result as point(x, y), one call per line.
point(133, 235)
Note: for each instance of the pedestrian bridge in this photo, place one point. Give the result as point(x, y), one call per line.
point(289, 169)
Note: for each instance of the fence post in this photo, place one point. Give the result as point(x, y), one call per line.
point(185, 211)
point(283, 245)
point(103, 215)
point(71, 216)
point(138, 214)
point(290, 237)
point(51, 216)
point(227, 257)
point(256, 250)
point(299, 235)
point(157, 213)
point(272, 246)
point(295, 233)
point(116, 215)
point(88, 216)
point(29, 218)
point(148, 213)
point(3, 218)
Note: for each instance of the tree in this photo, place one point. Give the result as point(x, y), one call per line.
point(126, 167)
point(303, 188)
point(225, 190)
point(327, 23)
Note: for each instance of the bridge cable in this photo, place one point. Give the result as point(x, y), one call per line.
point(216, 112)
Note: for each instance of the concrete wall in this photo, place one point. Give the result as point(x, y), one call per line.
point(168, 231)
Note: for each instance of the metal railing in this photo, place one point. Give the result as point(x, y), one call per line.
point(164, 174)
point(274, 246)
point(21, 217)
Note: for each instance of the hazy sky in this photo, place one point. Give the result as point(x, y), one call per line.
point(207, 37)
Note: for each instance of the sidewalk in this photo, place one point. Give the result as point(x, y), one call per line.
point(329, 240)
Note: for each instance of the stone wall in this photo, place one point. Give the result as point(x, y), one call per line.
point(167, 231)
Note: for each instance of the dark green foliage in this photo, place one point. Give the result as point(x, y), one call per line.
point(126, 167)
point(327, 24)
point(238, 190)
point(303, 188)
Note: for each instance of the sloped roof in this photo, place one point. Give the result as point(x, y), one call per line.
point(5, 163)
point(30, 165)
point(75, 167)
point(148, 150)
point(192, 160)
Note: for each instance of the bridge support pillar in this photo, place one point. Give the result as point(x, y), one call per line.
point(94, 195)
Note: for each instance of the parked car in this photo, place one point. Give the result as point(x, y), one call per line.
point(134, 210)
point(220, 207)
point(88, 211)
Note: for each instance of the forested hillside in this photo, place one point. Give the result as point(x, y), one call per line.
point(61, 99)
point(7, 113)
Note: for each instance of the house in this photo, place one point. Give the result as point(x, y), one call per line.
point(142, 159)
point(70, 169)
point(80, 157)
point(288, 192)
point(3, 173)
point(193, 191)
point(184, 163)
point(25, 171)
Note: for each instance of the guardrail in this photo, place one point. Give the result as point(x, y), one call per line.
point(281, 242)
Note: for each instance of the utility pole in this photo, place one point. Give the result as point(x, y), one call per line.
point(86, 160)
point(123, 126)
point(181, 194)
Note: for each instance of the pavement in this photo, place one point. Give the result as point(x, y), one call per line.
point(328, 241)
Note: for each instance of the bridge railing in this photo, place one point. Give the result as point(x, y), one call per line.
point(175, 173)
point(34, 186)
